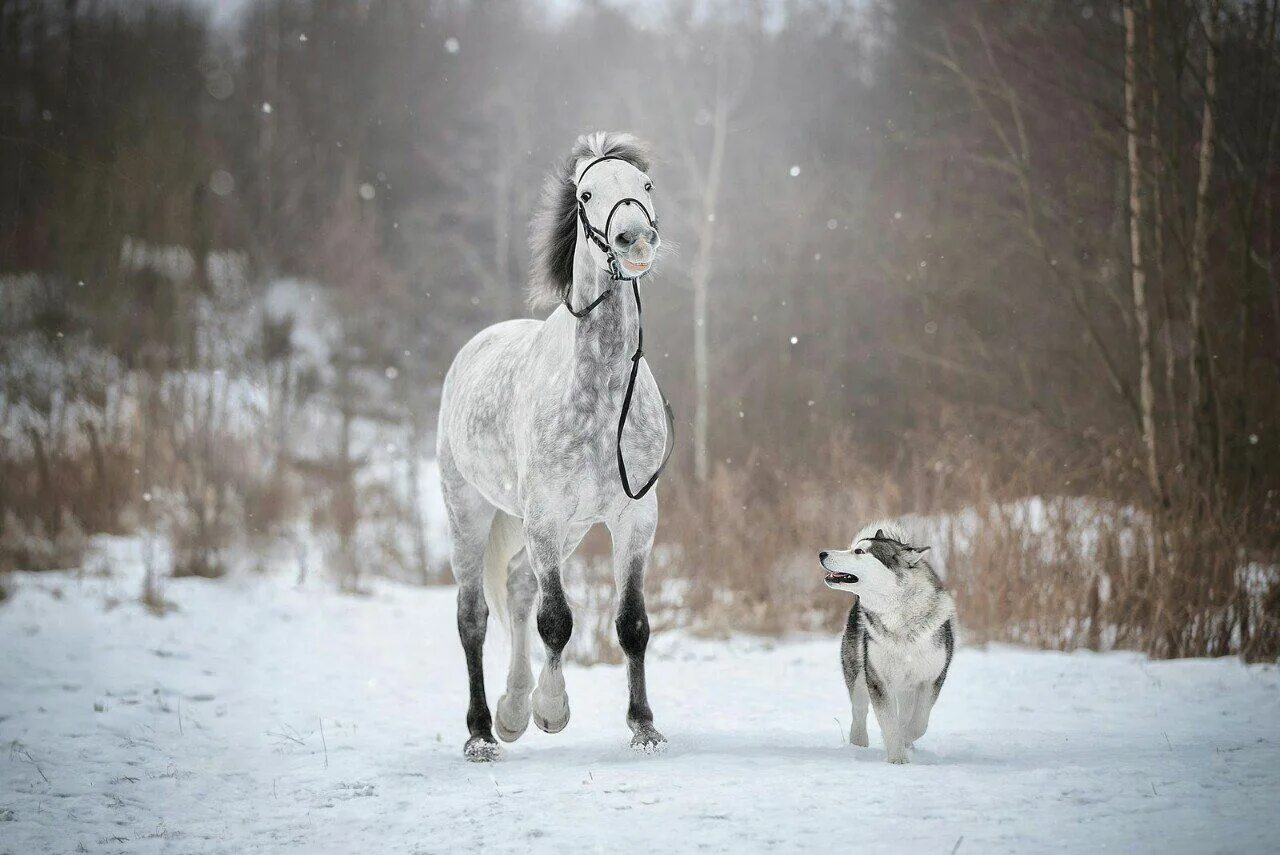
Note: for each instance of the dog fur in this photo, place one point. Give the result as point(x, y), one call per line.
point(899, 637)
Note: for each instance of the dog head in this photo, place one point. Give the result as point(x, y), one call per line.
point(876, 566)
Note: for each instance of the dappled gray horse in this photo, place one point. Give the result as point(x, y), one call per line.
point(532, 446)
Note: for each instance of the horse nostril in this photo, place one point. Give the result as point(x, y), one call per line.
point(624, 240)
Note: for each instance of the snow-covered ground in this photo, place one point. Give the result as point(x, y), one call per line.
point(262, 718)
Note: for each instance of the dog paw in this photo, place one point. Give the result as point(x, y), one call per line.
point(859, 739)
point(648, 740)
point(481, 749)
point(899, 759)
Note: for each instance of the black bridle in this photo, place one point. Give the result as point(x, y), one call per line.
point(601, 240)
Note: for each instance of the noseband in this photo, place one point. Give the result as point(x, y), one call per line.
point(601, 240)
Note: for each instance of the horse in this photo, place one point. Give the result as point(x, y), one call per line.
point(528, 453)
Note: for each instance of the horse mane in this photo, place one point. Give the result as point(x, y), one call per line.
point(553, 235)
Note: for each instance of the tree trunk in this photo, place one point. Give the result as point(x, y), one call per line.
point(702, 279)
point(1142, 316)
point(1157, 234)
point(1200, 234)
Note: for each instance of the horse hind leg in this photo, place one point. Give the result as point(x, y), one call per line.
point(513, 710)
point(470, 517)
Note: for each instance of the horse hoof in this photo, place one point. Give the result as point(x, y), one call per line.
point(481, 749)
point(503, 712)
point(551, 721)
point(648, 740)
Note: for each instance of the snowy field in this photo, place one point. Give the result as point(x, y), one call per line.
point(262, 718)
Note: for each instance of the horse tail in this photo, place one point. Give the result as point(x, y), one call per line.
point(506, 539)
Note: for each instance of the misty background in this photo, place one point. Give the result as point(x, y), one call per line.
point(1008, 270)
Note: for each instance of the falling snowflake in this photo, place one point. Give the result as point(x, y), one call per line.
point(221, 182)
point(451, 45)
point(795, 171)
point(795, 340)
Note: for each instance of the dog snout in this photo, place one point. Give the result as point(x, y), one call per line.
point(822, 557)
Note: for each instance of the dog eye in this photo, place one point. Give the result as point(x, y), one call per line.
point(858, 552)
point(586, 195)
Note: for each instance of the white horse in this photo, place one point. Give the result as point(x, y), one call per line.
point(531, 445)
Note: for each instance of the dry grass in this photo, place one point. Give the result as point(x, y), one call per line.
point(1060, 570)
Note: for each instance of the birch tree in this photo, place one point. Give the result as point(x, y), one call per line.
point(1142, 315)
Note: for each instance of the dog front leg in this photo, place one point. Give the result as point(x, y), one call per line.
point(892, 712)
point(925, 697)
point(859, 700)
point(852, 656)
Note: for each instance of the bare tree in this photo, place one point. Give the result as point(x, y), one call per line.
point(705, 178)
point(1198, 376)
point(1142, 315)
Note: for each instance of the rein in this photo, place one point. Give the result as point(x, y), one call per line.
point(601, 240)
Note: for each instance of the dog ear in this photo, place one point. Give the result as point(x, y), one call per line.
point(879, 534)
point(915, 554)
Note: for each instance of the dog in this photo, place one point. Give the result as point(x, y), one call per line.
point(899, 637)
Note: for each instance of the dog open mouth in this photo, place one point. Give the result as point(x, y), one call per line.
point(834, 578)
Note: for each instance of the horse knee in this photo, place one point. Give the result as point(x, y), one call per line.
point(473, 615)
point(632, 624)
point(555, 622)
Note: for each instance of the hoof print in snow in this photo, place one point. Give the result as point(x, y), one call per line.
point(481, 750)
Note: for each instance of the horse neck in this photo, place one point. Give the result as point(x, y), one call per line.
point(606, 338)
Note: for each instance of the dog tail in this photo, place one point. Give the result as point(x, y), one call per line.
point(506, 539)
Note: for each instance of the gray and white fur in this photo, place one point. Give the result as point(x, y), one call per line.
point(528, 419)
point(899, 637)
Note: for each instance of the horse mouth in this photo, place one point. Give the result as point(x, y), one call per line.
point(834, 578)
point(633, 267)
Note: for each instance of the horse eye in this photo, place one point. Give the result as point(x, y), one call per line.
point(648, 186)
point(586, 195)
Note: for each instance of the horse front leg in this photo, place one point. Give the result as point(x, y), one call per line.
point(550, 701)
point(632, 542)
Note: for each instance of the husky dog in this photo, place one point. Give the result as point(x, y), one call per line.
point(899, 637)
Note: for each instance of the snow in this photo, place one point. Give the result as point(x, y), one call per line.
point(260, 717)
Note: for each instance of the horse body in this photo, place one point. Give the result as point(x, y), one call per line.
point(526, 445)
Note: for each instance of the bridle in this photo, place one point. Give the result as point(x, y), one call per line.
point(601, 240)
